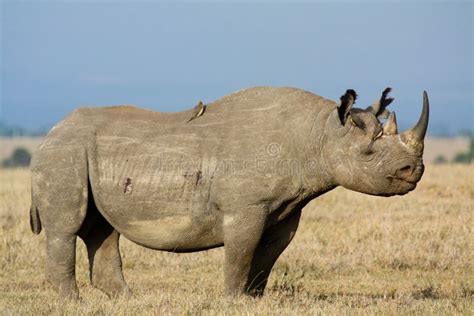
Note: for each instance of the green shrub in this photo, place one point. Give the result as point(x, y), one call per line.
point(466, 157)
point(21, 157)
point(440, 159)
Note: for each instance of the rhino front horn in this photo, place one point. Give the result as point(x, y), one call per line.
point(415, 136)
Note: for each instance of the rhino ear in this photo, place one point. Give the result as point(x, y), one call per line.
point(347, 101)
point(379, 107)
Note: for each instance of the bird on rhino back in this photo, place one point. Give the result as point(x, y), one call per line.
point(237, 175)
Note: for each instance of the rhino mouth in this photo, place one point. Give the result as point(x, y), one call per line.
point(393, 178)
point(405, 185)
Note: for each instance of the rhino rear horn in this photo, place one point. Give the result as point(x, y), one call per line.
point(390, 127)
point(379, 107)
point(347, 101)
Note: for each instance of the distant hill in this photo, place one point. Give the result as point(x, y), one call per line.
point(16, 131)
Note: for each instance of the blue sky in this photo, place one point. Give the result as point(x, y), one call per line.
point(58, 55)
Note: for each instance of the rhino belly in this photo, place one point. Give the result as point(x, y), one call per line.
point(152, 197)
point(162, 221)
point(179, 233)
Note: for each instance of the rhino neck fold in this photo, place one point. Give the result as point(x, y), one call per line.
point(317, 172)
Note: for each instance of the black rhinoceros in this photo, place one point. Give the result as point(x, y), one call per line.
point(237, 175)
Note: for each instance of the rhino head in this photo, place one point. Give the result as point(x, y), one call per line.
point(369, 157)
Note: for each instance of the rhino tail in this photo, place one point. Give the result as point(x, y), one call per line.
point(35, 221)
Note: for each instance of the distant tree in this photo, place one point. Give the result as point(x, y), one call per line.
point(466, 157)
point(21, 157)
point(465, 132)
point(16, 131)
point(440, 159)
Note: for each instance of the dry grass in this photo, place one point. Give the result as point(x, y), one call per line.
point(352, 254)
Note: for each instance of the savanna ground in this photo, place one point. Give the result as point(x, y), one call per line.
point(353, 254)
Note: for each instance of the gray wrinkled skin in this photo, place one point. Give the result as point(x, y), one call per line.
point(237, 176)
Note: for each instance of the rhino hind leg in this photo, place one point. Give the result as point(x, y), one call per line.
point(59, 199)
point(105, 263)
point(60, 264)
point(272, 244)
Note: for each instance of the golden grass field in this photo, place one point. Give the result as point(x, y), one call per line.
point(353, 254)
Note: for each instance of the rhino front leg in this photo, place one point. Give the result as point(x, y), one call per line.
point(242, 233)
point(272, 244)
point(105, 263)
point(60, 263)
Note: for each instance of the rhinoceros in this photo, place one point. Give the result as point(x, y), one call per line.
point(237, 175)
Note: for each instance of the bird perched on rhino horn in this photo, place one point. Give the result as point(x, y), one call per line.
point(199, 110)
point(347, 100)
point(379, 107)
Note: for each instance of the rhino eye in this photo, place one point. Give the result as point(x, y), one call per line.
point(368, 151)
point(378, 135)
